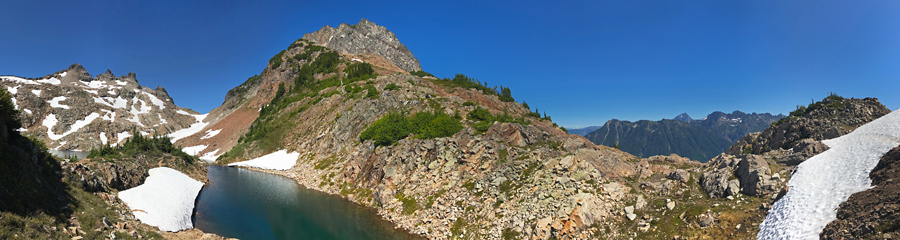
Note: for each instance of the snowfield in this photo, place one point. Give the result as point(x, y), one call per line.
point(823, 182)
point(280, 160)
point(165, 200)
point(193, 129)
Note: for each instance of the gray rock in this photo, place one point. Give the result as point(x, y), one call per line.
point(753, 172)
point(680, 175)
point(715, 182)
point(670, 204)
point(366, 38)
point(707, 220)
point(640, 202)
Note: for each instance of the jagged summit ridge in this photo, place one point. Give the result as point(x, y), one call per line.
point(366, 37)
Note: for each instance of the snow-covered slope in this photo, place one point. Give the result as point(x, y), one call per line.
point(71, 110)
point(280, 160)
point(165, 200)
point(824, 181)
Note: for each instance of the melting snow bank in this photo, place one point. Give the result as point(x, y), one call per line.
point(165, 200)
point(824, 181)
point(280, 160)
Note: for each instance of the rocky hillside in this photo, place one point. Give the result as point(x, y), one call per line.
point(444, 158)
point(832, 117)
point(42, 197)
point(367, 41)
point(872, 214)
point(71, 110)
point(699, 140)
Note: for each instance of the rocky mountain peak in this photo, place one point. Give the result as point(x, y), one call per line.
point(684, 117)
point(76, 72)
point(107, 76)
point(365, 37)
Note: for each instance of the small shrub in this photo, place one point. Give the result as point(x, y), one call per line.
point(371, 92)
point(359, 71)
point(276, 60)
point(391, 87)
point(421, 73)
point(468, 103)
point(480, 114)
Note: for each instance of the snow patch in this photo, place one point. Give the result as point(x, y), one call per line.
point(51, 121)
point(52, 80)
point(193, 129)
point(280, 160)
point(12, 90)
point(55, 102)
point(18, 80)
point(211, 133)
point(122, 136)
point(821, 183)
point(26, 110)
point(122, 83)
point(156, 101)
point(165, 200)
point(210, 156)
point(92, 92)
point(194, 150)
point(36, 92)
point(63, 74)
point(103, 138)
point(109, 116)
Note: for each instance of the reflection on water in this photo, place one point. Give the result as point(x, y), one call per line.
point(247, 204)
point(67, 153)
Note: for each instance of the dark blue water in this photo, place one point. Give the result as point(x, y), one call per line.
point(246, 204)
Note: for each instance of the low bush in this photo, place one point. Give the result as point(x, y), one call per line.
point(425, 125)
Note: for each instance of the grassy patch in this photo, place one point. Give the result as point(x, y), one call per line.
point(409, 203)
point(425, 125)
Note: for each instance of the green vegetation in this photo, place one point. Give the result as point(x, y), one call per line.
point(425, 125)
point(484, 119)
point(831, 101)
point(421, 73)
point(139, 144)
point(391, 87)
point(276, 60)
point(408, 202)
point(469, 103)
point(360, 71)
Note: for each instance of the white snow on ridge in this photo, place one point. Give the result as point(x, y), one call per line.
point(155, 100)
point(193, 129)
point(821, 183)
point(55, 102)
point(280, 160)
point(52, 80)
point(49, 122)
point(103, 138)
point(12, 90)
point(165, 200)
point(211, 133)
point(74, 127)
point(63, 74)
point(36, 92)
point(26, 110)
point(18, 80)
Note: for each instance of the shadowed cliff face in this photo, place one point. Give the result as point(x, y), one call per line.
point(366, 38)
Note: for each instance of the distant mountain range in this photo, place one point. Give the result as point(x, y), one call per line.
point(698, 140)
point(583, 131)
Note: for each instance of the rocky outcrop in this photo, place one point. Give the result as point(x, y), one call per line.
point(752, 173)
point(366, 37)
point(70, 110)
point(832, 117)
point(871, 214)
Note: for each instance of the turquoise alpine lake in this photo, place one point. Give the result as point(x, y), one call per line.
point(246, 204)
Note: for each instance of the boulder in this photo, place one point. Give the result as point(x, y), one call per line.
point(715, 182)
point(680, 175)
point(754, 174)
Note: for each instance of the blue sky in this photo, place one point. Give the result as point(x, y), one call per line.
point(583, 62)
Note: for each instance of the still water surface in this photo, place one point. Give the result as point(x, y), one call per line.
point(246, 204)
